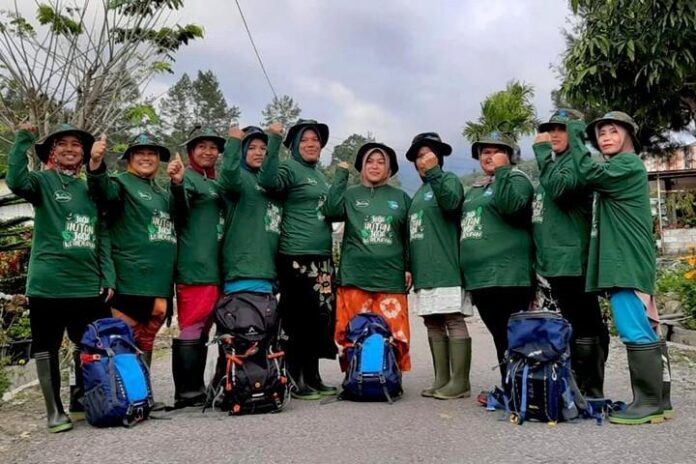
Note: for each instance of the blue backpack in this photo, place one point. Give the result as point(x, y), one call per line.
point(117, 381)
point(539, 383)
point(373, 373)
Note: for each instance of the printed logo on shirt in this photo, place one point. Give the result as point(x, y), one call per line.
point(415, 226)
point(362, 203)
point(488, 193)
point(312, 181)
point(161, 228)
point(213, 193)
point(377, 230)
point(144, 195)
point(220, 227)
point(272, 218)
point(472, 225)
point(320, 204)
point(79, 232)
point(61, 196)
point(393, 204)
point(595, 221)
point(538, 208)
point(428, 196)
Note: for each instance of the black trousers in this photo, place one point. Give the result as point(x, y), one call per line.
point(50, 317)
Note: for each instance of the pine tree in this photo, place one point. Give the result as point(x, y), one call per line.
point(210, 107)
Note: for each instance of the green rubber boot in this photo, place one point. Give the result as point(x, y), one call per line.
point(49, 379)
point(668, 411)
point(439, 350)
point(645, 367)
point(460, 359)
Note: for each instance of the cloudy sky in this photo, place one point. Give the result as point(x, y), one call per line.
point(392, 67)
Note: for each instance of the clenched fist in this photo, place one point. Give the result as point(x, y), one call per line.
point(98, 152)
point(500, 159)
point(543, 137)
point(426, 162)
point(175, 170)
point(276, 128)
point(29, 127)
point(344, 165)
point(235, 132)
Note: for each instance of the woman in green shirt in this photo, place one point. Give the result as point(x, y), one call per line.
point(69, 265)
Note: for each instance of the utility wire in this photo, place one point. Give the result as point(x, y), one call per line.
point(256, 51)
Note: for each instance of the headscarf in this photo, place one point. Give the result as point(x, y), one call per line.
point(625, 134)
point(205, 172)
point(295, 146)
point(245, 146)
point(363, 172)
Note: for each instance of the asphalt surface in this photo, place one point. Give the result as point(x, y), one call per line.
point(414, 429)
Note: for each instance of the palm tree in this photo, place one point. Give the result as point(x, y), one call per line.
point(508, 111)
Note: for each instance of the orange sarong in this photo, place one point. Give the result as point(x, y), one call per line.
point(393, 307)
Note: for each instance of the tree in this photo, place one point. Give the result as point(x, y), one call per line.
point(176, 111)
point(210, 107)
point(346, 151)
point(508, 111)
point(86, 62)
point(283, 109)
point(637, 57)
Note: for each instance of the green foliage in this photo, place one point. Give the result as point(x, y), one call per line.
point(680, 206)
point(679, 281)
point(510, 112)
point(638, 57)
point(281, 109)
point(60, 24)
point(346, 151)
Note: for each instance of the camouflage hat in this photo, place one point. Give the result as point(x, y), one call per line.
point(301, 124)
point(431, 140)
point(497, 139)
point(561, 117)
point(368, 147)
point(44, 147)
point(616, 117)
point(198, 134)
point(145, 140)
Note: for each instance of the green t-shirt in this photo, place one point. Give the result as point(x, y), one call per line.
point(304, 230)
point(561, 217)
point(374, 253)
point(199, 231)
point(143, 238)
point(68, 259)
point(434, 231)
point(622, 246)
point(253, 221)
point(496, 244)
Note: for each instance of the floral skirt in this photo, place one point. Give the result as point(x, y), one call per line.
point(307, 305)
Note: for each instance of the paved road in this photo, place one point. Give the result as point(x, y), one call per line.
point(415, 429)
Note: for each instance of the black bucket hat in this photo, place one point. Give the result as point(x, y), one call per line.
point(368, 147)
point(145, 140)
point(198, 134)
point(615, 117)
point(44, 147)
point(431, 140)
point(498, 139)
point(321, 128)
point(561, 117)
point(254, 132)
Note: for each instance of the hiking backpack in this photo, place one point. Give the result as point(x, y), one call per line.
point(251, 375)
point(372, 372)
point(117, 380)
point(539, 383)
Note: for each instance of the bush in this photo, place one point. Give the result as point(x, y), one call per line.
point(680, 280)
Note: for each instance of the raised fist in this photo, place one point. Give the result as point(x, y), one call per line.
point(426, 162)
point(235, 132)
point(276, 128)
point(175, 169)
point(543, 137)
point(344, 165)
point(500, 159)
point(97, 153)
point(27, 126)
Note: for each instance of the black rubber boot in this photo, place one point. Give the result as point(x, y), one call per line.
point(188, 367)
point(645, 367)
point(312, 378)
point(77, 388)
point(439, 349)
point(588, 365)
point(668, 411)
point(48, 372)
point(300, 389)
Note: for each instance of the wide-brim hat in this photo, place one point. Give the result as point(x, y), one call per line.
point(368, 147)
point(198, 134)
point(44, 147)
point(147, 141)
point(321, 128)
point(254, 132)
point(561, 117)
point(497, 139)
point(615, 117)
point(431, 140)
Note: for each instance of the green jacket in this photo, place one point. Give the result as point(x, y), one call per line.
point(434, 231)
point(622, 246)
point(253, 222)
point(561, 215)
point(496, 244)
point(69, 258)
point(143, 238)
point(304, 230)
point(374, 253)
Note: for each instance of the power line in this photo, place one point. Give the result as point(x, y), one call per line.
point(256, 51)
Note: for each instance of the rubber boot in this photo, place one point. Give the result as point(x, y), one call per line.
point(645, 368)
point(77, 388)
point(300, 389)
point(188, 366)
point(668, 411)
point(439, 349)
point(312, 378)
point(588, 365)
point(460, 359)
point(49, 379)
